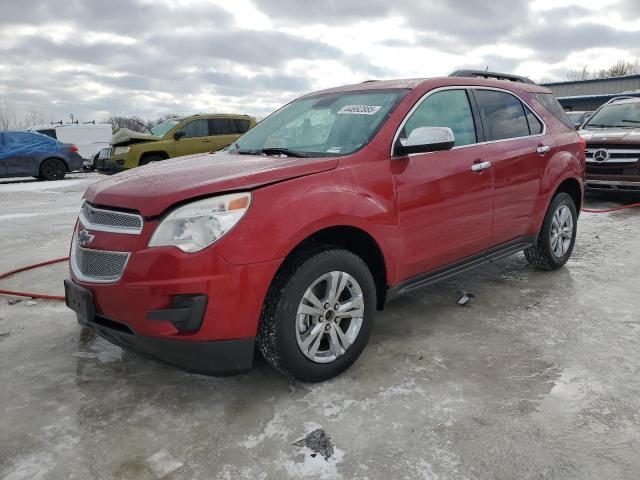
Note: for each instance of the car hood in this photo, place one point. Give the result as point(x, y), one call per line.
point(153, 188)
point(124, 136)
point(612, 135)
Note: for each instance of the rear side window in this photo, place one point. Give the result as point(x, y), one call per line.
point(503, 115)
point(535, 125)
point(549, 101)
point(241, 125)
point(222, 126)
point(196, 128)
point(50, 132)
point(448, 108)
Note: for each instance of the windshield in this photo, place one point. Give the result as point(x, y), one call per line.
point(333, 124)
point(616, 115)
point(162, 128)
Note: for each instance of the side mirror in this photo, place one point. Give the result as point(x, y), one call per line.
point(179, 134)
point(425, 139)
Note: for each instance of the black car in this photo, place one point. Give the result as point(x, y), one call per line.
point(28, 154)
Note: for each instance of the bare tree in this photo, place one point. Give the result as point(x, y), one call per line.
point(619, 69)
point(11, 118)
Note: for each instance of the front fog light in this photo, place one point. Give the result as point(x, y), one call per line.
point(197, 225)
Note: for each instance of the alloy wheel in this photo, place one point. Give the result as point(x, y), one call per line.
point(329, 317)
point(561, 232)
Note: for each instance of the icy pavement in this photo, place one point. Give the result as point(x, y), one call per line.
point(536, 377)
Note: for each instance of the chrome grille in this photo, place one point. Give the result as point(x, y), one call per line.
point(612, 154)
point(97, 266)
point(106, 152)
point(110, 220)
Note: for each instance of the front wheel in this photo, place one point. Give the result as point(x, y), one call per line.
point(557, 235)
point(318, 315)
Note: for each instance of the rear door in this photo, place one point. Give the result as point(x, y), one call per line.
point(3, 153)
point(225, 131)
point(520, 147)
point(444, 203)
point(196, 140)
point(24, 151)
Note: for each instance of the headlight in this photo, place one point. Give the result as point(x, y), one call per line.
point(197, 225)
point(120, 150)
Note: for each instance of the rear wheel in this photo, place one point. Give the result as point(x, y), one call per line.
point(53, 169)
point(557, 236)
point(318, 315)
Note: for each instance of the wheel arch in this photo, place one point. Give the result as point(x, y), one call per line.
point(350, 238)
point(154, 153)
point(54, 157)
point(572, 187)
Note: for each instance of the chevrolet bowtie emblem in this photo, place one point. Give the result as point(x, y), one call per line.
point(85, 237)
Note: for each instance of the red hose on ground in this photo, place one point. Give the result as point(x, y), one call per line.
point(31, 267)
point(64, 259)
point(607, 210)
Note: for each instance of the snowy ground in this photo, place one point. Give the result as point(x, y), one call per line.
point(536, 378)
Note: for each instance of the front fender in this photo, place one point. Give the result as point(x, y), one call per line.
point(283, 215)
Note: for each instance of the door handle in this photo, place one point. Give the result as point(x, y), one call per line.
point(206, 140)
point(542, 149)
point(478, 167)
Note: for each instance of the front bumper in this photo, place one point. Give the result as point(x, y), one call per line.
point(612, 185)
point(110, 164)
point(221, 357)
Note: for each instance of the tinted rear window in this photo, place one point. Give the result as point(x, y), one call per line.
point(241, 125)
point(222, 126)
point(50, 132)
point(503, 115)
point(549, 101)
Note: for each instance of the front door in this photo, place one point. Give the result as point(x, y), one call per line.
point(196, 138)
point(520, 149)
point(444, 206)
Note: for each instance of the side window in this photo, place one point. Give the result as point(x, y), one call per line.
point(448, 108)
point(242, 126)
point(20, 139)
point(535, 126)
point(222, 126)
point(503, 115)
point(50, 132)
point(196, 128)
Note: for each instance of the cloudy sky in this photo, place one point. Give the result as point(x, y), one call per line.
point(97, 58)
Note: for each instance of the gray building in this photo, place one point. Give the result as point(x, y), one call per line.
point(590, 94)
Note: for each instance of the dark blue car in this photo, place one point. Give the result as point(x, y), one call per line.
point(28, 154)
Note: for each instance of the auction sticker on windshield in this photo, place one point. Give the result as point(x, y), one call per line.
point(359, 110)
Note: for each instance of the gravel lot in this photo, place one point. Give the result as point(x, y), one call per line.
point(537, 377)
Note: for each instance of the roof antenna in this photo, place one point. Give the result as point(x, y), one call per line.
point(486, 69)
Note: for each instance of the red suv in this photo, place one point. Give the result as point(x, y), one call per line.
point(294, 236)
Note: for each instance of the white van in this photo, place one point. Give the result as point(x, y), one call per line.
point(90, 138)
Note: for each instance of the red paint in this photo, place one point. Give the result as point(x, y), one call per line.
point(424, 212)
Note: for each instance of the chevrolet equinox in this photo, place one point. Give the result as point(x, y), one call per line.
point(300, 230)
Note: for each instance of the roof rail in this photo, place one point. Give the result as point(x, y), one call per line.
point(369, 81)
point(622, 97)
point(491, 75)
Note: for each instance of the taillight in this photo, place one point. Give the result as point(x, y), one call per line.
point(583, 143)
point(74, 148)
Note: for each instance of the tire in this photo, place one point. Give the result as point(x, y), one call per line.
point(283, 329)
point(549, 253)
point(149, 159)
point(53, 169)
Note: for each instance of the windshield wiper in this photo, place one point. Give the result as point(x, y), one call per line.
point(283, 151)
point(631, 121)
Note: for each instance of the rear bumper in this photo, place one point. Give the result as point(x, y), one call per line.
point(215, 357)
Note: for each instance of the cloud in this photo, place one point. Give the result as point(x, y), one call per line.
point(136, 57)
